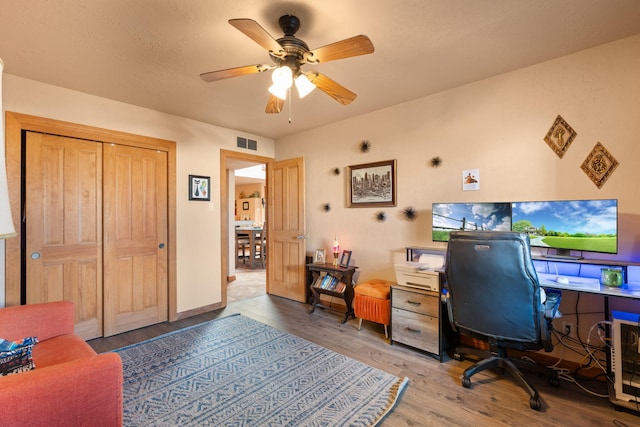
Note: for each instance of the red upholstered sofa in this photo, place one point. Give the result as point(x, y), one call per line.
point(71, 385)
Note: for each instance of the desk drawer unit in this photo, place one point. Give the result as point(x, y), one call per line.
point(415, 318)
point(421, 302)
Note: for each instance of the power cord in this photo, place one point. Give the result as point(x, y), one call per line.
point(565, 374)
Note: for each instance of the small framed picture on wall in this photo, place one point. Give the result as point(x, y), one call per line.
point(372, 184)
point(199, 187)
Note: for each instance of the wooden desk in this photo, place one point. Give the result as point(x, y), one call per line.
point(342, 274)
point(254, 234)
point(628, 290)
point(546, 275)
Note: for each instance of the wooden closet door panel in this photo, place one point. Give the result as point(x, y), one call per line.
point(135, 236)
point(63, 217)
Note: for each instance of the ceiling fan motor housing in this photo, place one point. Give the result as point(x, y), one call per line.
point(289, 24)
point(295, 49)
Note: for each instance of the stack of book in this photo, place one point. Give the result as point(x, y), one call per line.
point(329, 283)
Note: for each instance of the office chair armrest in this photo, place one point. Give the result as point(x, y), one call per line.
point(551, 306)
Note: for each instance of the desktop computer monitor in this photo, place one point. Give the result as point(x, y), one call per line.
point(565, 225)
point(448, 217)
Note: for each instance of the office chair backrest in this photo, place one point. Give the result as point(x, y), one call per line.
point(493, 286)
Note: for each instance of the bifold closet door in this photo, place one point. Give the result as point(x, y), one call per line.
point(63, 226)
point(135, 237)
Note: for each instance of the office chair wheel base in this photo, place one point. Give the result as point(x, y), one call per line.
point(535, 404)
point(466, 382)
point(554, 382)
point(457, 356)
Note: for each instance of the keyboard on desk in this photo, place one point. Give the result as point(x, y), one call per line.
point(577, 282)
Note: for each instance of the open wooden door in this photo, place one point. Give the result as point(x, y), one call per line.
point(286, 221)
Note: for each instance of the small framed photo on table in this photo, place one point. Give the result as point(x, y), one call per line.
point(319, 256)
point(199, 187)
point(345, 258)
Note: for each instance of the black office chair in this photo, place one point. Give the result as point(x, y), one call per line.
point(494, 295)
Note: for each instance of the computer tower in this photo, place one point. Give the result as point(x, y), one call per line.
point(625, 356)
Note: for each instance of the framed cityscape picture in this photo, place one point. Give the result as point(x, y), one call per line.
point(372, 184)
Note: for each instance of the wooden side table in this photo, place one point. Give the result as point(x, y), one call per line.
point(337, 284)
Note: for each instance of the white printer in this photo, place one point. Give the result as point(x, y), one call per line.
point(421, 274)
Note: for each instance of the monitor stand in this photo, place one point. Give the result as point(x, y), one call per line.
point(563, 254)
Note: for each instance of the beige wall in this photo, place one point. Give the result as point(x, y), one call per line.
point(247, 189)
point(197, 152)
point(497, 126)
point(257, 213)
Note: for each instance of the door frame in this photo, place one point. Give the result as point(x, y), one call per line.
point(224, 210)
point(15, 124)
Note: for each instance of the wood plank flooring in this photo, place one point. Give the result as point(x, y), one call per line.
point(434, 395)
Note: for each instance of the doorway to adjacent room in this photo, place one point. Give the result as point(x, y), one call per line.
point(247, 218)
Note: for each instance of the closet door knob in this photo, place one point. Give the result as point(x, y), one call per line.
point(161, 245)
point(35, 255)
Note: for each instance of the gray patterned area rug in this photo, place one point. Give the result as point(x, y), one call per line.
point(235, 371)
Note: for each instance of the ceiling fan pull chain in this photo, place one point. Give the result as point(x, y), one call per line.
point(289, 99)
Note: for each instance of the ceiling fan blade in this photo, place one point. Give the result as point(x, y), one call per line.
point(338, 92)
point(274, 105)
point(255, 32)
point(213, 76)
point(354, 46)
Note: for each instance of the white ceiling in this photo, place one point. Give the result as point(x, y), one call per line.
point(151, 52)
point(255, 174)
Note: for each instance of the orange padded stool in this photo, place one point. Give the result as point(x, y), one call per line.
point(371, 302)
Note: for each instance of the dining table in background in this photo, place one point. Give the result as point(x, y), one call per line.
point(254, 234)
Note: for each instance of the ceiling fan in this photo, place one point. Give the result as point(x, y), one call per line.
point(289, 54)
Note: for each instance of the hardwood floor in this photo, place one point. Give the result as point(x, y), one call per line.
point(434, 395)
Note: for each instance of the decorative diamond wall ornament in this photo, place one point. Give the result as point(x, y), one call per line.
point(599, 165)
point(560, 136)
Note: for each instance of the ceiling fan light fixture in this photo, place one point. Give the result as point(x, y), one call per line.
point(278, 91)
point(304, 85)
point(282, 78)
